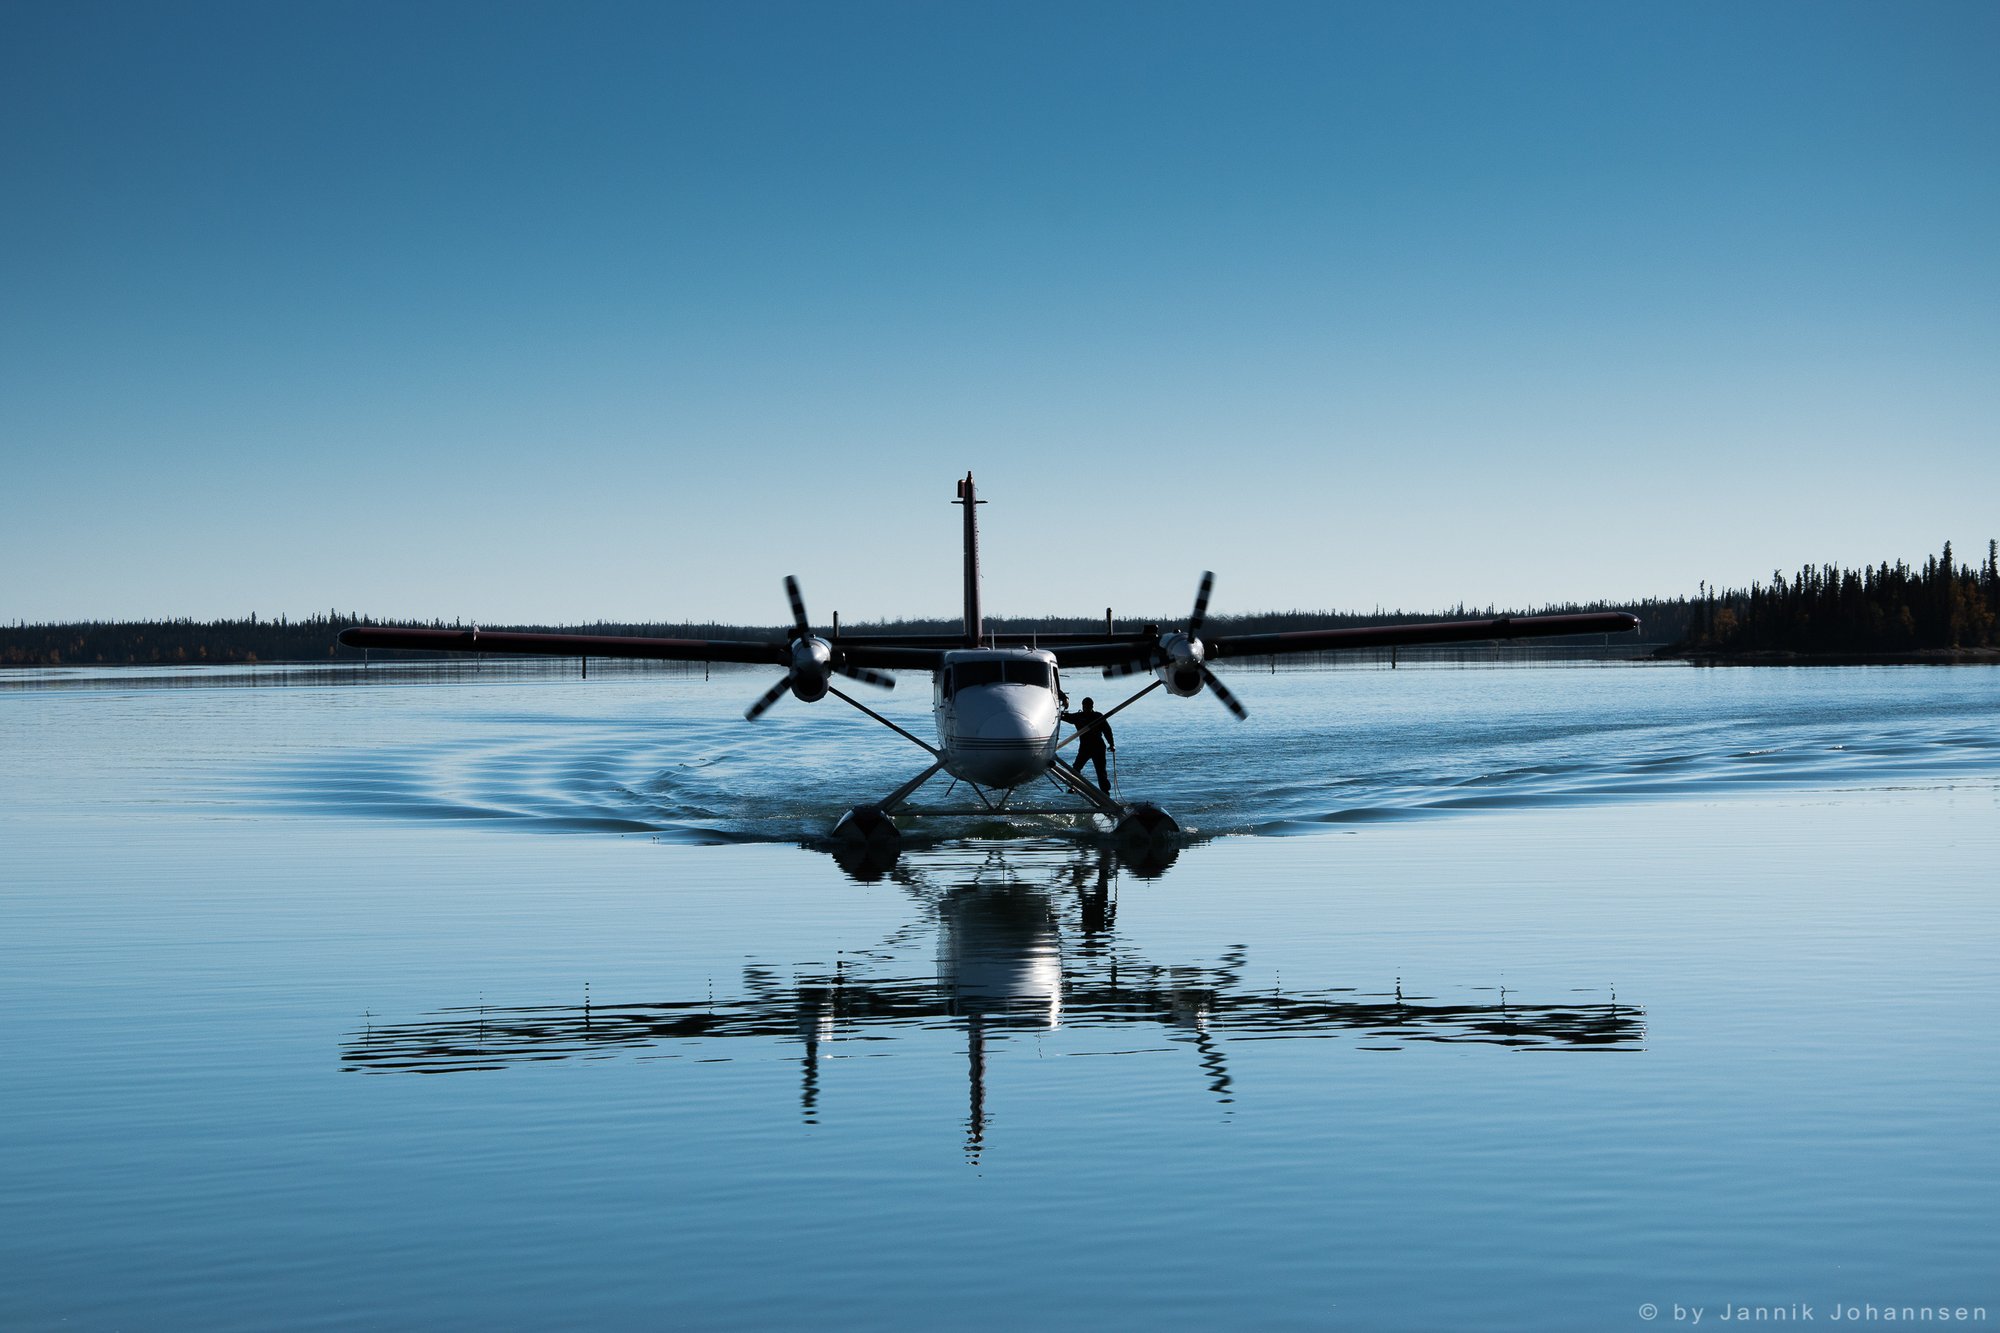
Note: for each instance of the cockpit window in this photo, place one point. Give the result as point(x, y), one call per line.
point(1028, 671)
point(976, 673)
point(999, 671)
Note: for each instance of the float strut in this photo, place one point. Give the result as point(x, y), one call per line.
point(902, 793)
point(1082, 786)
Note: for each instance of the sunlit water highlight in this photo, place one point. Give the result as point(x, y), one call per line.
point(1601, 986)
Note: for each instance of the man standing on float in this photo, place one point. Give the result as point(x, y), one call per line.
point(1093, 732)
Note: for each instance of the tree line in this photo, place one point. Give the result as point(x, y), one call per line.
point(260, 639)
point(1825, 609)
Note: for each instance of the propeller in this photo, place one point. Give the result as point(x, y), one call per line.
point(866, 676)
point(769, 697)
point(813, 662)
point(1199, 616)
point(1223, 695)
point(1180, 656)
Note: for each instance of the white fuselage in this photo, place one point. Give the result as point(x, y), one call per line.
point(1000, 954)
point(997, 712)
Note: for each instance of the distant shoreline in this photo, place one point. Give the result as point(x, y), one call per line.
point(1914, 657)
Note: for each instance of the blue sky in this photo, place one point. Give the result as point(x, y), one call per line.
point(559, 312)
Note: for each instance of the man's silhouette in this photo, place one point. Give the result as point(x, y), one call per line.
point(1093, 734)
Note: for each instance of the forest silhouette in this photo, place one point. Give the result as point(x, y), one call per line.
point(1884, 610)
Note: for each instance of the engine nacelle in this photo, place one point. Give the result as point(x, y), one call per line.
point(1181, 673)
point(812, 668)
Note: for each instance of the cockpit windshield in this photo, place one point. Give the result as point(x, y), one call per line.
point(1029, 671)
point(976, 673)
point(1002, 671)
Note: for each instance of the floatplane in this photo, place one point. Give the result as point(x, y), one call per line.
point(997, 700)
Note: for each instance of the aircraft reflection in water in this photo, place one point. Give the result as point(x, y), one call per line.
point(1025, 942)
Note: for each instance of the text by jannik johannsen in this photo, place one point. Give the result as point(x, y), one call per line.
point(1858, 1312)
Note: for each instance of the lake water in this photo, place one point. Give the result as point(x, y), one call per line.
point(1532, 998)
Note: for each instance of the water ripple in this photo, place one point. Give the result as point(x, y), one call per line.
point(1422, 746)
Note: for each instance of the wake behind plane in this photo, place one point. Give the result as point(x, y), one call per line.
point(997, 700)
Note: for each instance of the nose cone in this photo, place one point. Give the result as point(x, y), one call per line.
point(1006, 734)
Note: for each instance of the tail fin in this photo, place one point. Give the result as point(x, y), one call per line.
point(975, 625)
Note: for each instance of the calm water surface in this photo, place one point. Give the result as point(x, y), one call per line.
point(1565, 991)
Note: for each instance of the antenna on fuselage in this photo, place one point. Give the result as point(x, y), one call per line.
point(975, 625)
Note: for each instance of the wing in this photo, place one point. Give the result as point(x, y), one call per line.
point(882, 655)
point(1115, 652)
point(770, 652)
point(1127, 650)
point(994, 639)
point(1441, 631)
point(773, 652)
point(918, 655)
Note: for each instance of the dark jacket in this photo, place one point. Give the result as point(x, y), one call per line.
point(1096, 731)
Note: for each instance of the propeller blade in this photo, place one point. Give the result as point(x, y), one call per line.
point(1200, 615)
point(768, 697)
point(1131, 668)
point(800, 625)
point(1228, 700)
point(867, 677)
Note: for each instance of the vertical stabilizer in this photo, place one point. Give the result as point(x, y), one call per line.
point(975, 626)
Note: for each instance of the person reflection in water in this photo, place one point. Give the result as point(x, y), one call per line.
point(1095, 907)
point(1094, 733)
